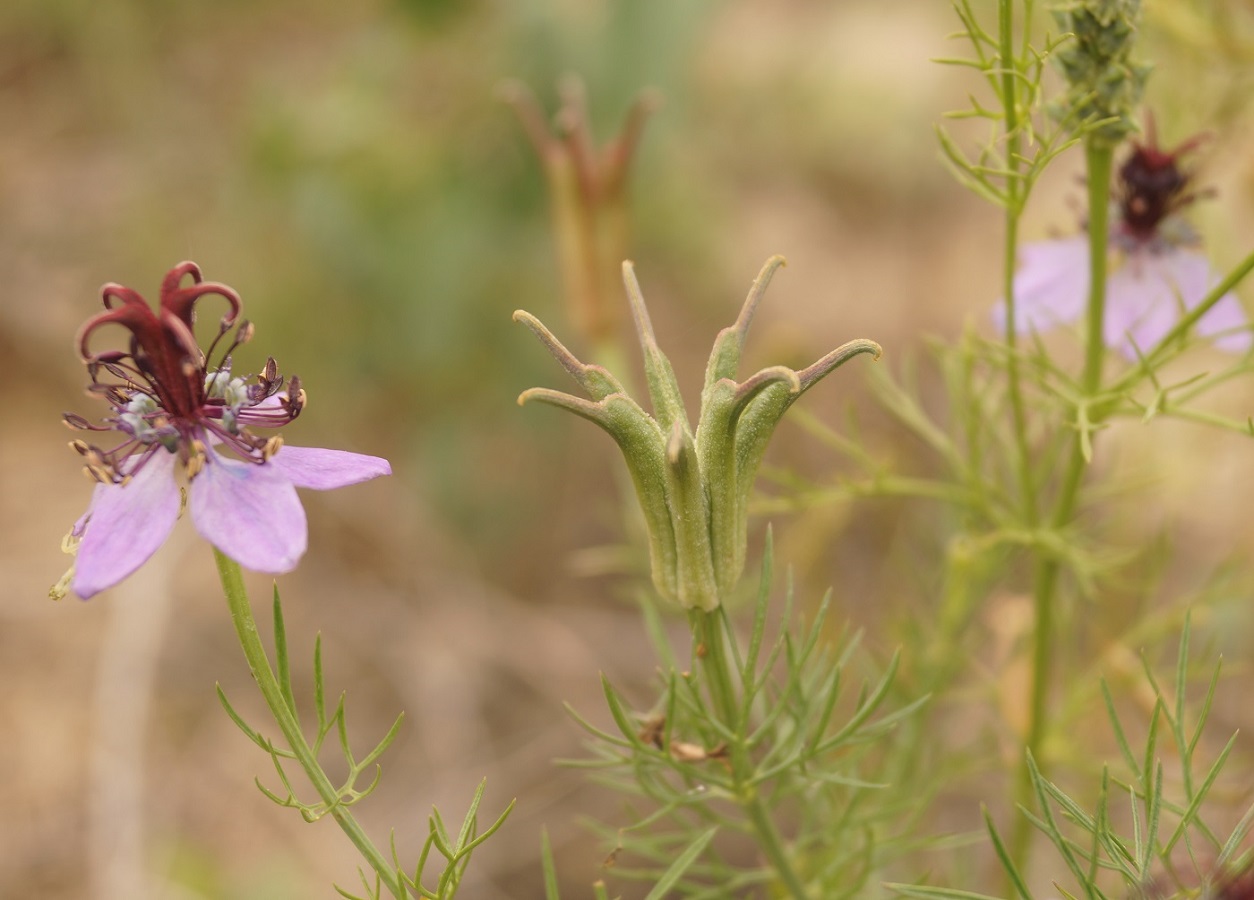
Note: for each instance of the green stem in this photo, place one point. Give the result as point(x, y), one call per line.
point(1098, 156)
point(1014, 208)
point(712, 651)
point(285, 718)
point(708, 628)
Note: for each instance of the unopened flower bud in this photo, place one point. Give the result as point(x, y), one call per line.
point(1104, 84)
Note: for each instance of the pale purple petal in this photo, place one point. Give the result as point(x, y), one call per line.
point(1193, 276)
point(1141, 306)
point(1051, 285)
point(1227, 323)
point(81, 525)
point(127, 524)
point(251, 513)
point(1148, 295)
point(322, 470)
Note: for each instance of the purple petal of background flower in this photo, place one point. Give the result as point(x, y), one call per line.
point(1051, 285)
point(251, 513)
point(1147, 296)
point(126, 526)
point(322, 470)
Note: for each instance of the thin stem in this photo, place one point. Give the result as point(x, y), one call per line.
point(708, 628)
point(712, 651)
point(285, 718)
point(1098, 157)
point(1015, 197)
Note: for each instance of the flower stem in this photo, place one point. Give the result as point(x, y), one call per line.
point(712, 651)
point(708, 629)
point(1098, 156)
point(285, 718)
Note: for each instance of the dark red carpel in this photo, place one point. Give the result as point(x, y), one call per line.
point(163, 343)
point(1153, 185)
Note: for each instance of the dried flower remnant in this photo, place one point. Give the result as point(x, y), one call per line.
point(1156, 273)
point(175, 412)
point(588, 194)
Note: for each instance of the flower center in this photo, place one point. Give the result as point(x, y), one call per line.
point(164, 392)
point(1152, 186)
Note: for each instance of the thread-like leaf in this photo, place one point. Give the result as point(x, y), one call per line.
point(1050, 825)
point(491, 829)
point(1004, 857)
point(672, 875)
point(1120, 738)
point(282, 662)
point(384, 743)
point(621, 719)
point(548, 867)
point(594, 731)
point(936, 893)
point(320, 702)
point(1190, 813)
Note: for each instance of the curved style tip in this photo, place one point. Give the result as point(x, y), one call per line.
point(756, 291)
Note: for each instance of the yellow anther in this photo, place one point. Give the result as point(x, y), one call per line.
point(69, 546)
point(99, 474)
point(195, 465)
point(271, 447)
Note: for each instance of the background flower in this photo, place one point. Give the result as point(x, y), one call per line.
point(1146, 294)
point(1155, 274)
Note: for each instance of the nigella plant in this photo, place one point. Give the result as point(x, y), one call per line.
point(1158, 274)
point(182, 424)
point(693, 486)
point(177, 410)
point(747, 726)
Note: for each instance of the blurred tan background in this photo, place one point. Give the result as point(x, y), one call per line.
point(348, 168)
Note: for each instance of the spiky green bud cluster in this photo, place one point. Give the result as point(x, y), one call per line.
point(693, 487)
point(1104, 84)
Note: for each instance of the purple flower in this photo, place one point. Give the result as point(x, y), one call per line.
point(173, 413)
point(1155, 276)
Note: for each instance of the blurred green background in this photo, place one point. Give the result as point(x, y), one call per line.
point(350, 170)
